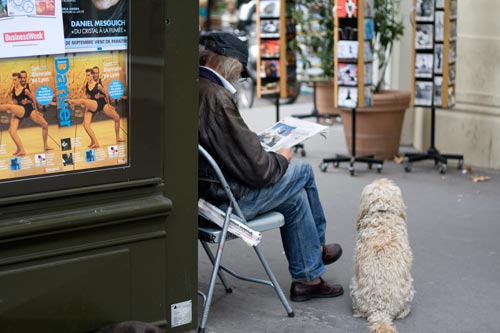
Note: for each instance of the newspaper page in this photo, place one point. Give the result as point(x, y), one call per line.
point(289, 132)
point(236, 227)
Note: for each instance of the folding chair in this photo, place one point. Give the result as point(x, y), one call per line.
point(211, 233)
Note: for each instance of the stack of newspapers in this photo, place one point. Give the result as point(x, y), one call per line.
point(288, 133)
point(236, 227)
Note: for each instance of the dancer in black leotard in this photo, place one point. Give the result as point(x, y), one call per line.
point(96, 100)
point(23, 106)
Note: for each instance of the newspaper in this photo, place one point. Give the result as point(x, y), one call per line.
point(289, 132)
point(236, 227)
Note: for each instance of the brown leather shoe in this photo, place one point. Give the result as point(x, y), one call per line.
point(300, 292)
point(331, 253)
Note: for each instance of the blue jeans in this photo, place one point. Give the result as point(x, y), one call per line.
point(296, 197)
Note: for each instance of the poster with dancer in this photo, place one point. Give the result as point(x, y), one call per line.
point(92, 25)
point(63, 113)
point(30, 28)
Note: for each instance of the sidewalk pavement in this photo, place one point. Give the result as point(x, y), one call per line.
point(453, 227)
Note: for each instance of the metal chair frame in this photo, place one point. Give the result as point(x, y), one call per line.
point(264, 222)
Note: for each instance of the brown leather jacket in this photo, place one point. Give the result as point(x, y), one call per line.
point(235, 148)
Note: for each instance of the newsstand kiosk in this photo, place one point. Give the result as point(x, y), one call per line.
point(98, 164)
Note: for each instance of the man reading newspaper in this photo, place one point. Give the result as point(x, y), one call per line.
point(261, 181)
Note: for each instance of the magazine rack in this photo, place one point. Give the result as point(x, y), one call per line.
point(434, 70)
point(276, 62)
point(353, 56)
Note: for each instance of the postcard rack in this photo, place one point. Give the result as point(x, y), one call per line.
point(434, 69)
point(276, 62)
point(353, 56)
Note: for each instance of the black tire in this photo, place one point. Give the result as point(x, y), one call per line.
point(246, 93)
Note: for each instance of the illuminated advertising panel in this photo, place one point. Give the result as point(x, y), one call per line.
point(63, 110)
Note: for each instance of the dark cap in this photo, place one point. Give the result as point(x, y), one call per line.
point(227, 45)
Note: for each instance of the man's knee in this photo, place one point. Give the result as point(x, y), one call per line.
point(302, 167)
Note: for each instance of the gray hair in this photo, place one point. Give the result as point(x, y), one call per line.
point(229, 68)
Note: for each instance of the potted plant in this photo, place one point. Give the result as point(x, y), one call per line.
point(314, 47)
point(378, 130)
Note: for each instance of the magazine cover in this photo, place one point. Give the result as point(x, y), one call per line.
point(30, 27)
point(62, 113)
point(347, 8)
point(95, 25)
point(270, 69)
point(270, 48)
point(289, 132)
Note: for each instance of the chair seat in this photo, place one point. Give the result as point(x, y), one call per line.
point(210, 233)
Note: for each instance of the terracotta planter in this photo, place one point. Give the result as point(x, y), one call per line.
point(325, 97)
point(378, 127)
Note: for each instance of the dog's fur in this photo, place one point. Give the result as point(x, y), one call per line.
point(382, 286)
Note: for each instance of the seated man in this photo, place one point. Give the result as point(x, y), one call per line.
point(261, 181)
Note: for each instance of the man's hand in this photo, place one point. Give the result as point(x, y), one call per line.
point(286, 152)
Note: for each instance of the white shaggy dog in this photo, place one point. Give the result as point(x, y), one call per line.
point(382, 286)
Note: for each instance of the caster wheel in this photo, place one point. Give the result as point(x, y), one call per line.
point(460, 165)
point(442, 168)
point(336, 165)
point(369, 166)
point(323, 167)
point(379, 168)
point(351, 171)
point(303, 153)
point(407, 166)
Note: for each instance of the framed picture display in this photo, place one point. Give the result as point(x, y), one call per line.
point(453, 30)
point(368, 96)
point(353, 55)
point(368, 73)
point(270, 48)
point(438, 90)
point(423, 93)
point(452, 52)
point(434, 53)
point(347, 8)
point(424, 10)
point(453, 9)
point(424, 37)
point(452, 74)
point(348, 97)
point(347, 49)
point(270, 29)
point(438, 58)
point(276, 62)
point(367, 51)
point(270, 69)
point(369, 8)
point(348, 74)
point(451, 96)
point(439, 26)
point(270, 8)
point(369, 29)
point(424, 65)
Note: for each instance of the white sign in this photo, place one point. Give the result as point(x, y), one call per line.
point(30, 28)
point(181, 313)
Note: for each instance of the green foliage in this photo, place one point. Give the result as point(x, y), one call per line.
point(314, 19)
point(388, 29)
